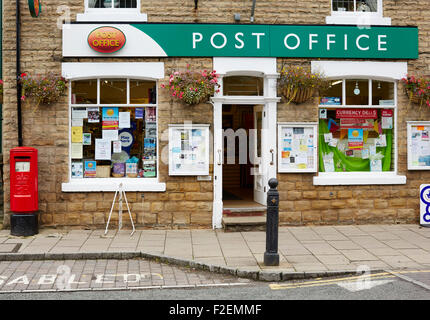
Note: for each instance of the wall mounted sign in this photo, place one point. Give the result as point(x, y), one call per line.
point(106, 39)
point(297, 147)
point(188, 150)
point(241, 40)
point(418, 133)
point(35, 7)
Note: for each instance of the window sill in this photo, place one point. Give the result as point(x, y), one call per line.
point(112, 184)
point(359, 19)
point(358, 178)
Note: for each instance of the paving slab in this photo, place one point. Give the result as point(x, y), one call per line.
point(301, 249)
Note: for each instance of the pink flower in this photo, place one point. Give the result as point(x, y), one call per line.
point(163, 86)
point(22, 98)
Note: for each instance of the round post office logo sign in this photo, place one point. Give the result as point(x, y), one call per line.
point(35, 7)
point(106, 39)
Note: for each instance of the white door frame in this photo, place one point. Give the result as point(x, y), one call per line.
point(261, 67)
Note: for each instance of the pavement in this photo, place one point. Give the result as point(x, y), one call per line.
point(305, 251)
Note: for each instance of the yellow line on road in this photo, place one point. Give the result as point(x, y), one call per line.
point(380, 275)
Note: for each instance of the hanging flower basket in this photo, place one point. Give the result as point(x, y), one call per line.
point(417, 90)
point(192, 87)
point(43, 89)
point(298, 95)
point(299, 85)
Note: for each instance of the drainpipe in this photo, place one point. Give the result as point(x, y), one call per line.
point(18, 72)
point(252, 10)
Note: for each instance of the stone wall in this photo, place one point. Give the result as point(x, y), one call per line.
point(188, 202)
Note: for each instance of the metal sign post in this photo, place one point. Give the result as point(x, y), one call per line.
point(120, 197)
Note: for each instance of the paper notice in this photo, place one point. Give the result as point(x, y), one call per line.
point(124, 119)
point(116, 146)
point(333, 142)
point(110, 135)
point(76, 150)
point(103, 149)
point(77, 134)
point(328, 137)
point(79, 122)
point(79, 113)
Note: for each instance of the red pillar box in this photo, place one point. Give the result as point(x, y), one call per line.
point(24, 195)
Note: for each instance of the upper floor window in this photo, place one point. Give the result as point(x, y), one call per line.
point(112, 4)
point(355, 5)
point(359, 12)
point(112, 10)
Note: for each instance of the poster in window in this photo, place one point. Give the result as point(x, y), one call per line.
point(189, 150)
point(110, 118)
point(297, 147)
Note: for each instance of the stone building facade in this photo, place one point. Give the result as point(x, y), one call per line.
point(186, 200)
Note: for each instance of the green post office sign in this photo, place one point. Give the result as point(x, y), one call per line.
point(305, 41)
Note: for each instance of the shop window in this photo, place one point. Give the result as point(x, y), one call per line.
point(358, 136)
point(357, 92)
point(116, 138)
point(113, 91)
point(84, 92)
point(243, 86)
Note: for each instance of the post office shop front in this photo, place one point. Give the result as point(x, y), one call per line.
point(327, 153)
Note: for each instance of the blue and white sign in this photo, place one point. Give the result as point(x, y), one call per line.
point(425, 205)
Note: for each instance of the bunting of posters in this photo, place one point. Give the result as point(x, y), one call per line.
point(297, 147)
point(418, 145)
point(189, 150)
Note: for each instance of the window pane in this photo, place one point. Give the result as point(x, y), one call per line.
point(84, 92)
point(357, 92)
point(382, 93)
point(113, 91)
point(357, 140)
point(142, 92)
point(367, 6)
point(343, 5)
point(127, 4)
point(109, 4)
point(333, 96)
point(243, 86)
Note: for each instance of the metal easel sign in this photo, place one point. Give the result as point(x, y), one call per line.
point(121, 196)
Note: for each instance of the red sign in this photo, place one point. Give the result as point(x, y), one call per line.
point(357, 113)
point(356, 123)
point(387, 113)
point(106, 39)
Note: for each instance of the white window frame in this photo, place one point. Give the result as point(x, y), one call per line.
point(112, 14)
point(133, 71)
point(314, 126)
point(410, 124)
point(358, 17)
point(384, 71)
point(205, 128)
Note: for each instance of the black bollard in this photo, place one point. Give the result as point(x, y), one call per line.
point(271, 256)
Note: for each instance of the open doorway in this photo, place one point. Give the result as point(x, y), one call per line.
point(241, 183)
